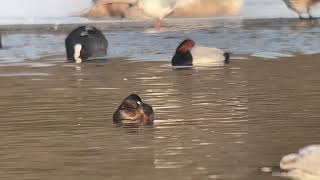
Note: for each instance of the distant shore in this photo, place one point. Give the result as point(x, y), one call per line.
point(137, 25)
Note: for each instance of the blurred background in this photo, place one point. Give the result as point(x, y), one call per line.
point(41, 11)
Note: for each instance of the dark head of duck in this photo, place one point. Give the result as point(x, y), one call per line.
point(183, 56)
point(132, 112)
point(85, 42)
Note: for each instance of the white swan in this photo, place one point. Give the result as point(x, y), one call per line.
point(304, 165)
point(301, 6)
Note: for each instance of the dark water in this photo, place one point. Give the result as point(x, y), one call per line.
point(211, 123)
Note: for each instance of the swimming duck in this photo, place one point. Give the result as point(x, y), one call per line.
point(157, 9)
point(188, 54)
point(85, 42)
point(133, 111)
point(301, 6)
point(304, 165)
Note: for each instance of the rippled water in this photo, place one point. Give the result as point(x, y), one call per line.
point(268, 38)
point(211, 123)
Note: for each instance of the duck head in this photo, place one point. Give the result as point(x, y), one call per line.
point(133, 111)
point(183, 56)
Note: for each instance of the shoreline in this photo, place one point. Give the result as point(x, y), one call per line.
point(138, 25)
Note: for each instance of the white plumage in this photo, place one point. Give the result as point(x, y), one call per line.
point(301, 6)
point(304, 165)
point(157, 9)
point(205, 56)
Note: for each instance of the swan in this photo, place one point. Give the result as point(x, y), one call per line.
point(301, 6)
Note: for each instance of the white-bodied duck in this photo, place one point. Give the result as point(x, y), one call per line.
point(190, 54)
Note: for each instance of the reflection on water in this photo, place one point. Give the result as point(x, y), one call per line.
point(214, 123)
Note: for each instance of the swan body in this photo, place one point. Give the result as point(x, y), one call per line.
point(301, 6)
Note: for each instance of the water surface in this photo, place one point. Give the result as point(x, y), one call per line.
point(211, 123)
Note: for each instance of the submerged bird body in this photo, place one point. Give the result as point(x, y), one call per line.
point(133, 111)
point(188, 54)
point(85, 42)
point(301, 6)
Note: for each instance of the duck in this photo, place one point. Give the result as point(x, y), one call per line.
point(157, 9)
point(304, 165)
point(301, 6)
point(85, 43)
point(189, 54)
point(133, 111)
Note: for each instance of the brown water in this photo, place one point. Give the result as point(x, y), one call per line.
point(211, 123)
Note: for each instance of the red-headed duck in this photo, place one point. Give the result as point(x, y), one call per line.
point(189, 54)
